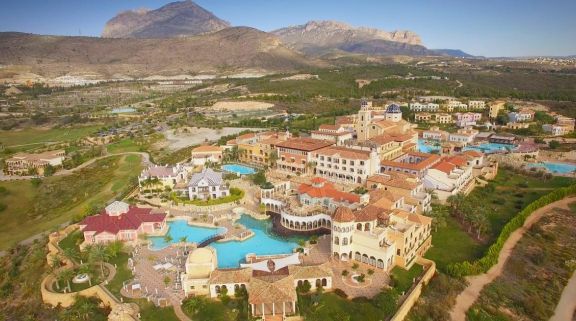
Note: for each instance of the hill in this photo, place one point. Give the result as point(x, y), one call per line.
point(228, 50)
point(176, 19)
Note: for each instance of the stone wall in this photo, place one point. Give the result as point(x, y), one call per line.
point(413, 296)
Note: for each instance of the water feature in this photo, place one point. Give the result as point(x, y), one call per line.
point(232, 253)
point(490, 148)
point(238, 169)
point(428, 146)
point(559, 168)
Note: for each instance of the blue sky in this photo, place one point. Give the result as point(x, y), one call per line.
point(488, 27)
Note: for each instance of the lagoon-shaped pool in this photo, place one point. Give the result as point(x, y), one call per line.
point(428, 146)
point(560, 168)
point(238, 169)
point(232, 253)
point(490, 148)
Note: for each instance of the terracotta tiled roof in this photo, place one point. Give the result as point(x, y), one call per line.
point(457, 160)
point(310, 271)
point(127, 221)
point(473, 153)
point(343, 214)
point(317, 180)
point(207, 148)
point(395, 179)
point(305, 144)
point(327, 190)
point(260, 291)
point(344, 120)
point(231, 276)
point(344, 152)
point(382, 139)
point(319, 132)
point(369, 213)
point(425, 163)
point(445, 167)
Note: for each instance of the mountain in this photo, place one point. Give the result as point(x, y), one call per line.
point(176, 19)
point(228, 50)
point(321, 37)
point(453, 53)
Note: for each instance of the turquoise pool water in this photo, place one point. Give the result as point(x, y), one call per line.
point(178, 229)
point(231, 254)
point(427, 146)
point(488, 148)
point(238, 169)
point(561, 168)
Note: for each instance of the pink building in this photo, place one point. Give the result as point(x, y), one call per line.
point(121, 222)
point(467, 119)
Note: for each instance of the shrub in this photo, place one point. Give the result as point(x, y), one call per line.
point(491, 257)
point(345, 273)
point(340, 293)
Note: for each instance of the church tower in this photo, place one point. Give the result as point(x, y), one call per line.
point(364, 120)
point(393, 113)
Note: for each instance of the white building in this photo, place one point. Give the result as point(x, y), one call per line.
point(449, 177)
point(167, 176)
point(434, 133)
point(521, 116)
point(207, 184)
point(476, 104)
point(456, 105)
point(345, 165)
point(464, 136)
point(429, 107)
point(338, 134)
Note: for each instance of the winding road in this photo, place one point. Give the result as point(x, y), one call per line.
point(476, 283)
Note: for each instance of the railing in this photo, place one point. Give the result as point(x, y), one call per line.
point(212, 238)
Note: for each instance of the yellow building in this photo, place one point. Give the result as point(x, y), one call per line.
point(199, 266)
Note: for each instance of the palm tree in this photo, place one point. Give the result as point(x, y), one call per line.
point(184, 240)
point(114, 248)
point(456, 202)
point(273, 158)
point(99, 254)
point(71, 254)
point(439, 215)
point(168, 239)
point(66, 275)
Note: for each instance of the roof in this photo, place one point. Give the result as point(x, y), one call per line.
point(207, 149)
point(159, 171)
point(310, 271)
point(275, 264)
point(320, 132)
point(213, 178)
point(344, 120)
point(201, 255)
point(231, 276)
point(428, 160)
point(305, 144)
point(445, 167)
point(473, 153)
point(368, 213)
point(395, 179)
point(327, 190)
point(344, 152)
point(412, 217)
point(457, 160)
point(117, 207)
point(260, 291)
point(343, 214)
point(130, 220)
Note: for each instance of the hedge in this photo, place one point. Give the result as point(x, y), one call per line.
point(490, 258)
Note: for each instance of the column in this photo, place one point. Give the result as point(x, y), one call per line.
point(294, 307)
point(262, 308)
point(252, 306)
point(273, 310)
point(283, 309)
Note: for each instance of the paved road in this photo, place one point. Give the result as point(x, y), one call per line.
point(476, 283)
point(64, 172)
point(567, 304)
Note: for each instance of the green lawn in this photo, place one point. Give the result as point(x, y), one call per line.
point(36, 136)
point(329, 306)
point(403, 279)
point(60, 199)
point(150, 312)
point(451, 244)
point(125, 145)
point(122, 273)
point(504, 197)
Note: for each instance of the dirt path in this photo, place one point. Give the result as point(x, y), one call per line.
point(567, 304)
point(476, 283)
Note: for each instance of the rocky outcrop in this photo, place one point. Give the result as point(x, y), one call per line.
point(321, 36)
point(177, 19)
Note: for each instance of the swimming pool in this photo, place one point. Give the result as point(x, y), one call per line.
point(180, 228)
point(238, 169)
point(427, 146)
point(489, 148)
point(232, 253)
point(560, 168)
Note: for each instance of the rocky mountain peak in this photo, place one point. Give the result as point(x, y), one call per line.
point(176, 19)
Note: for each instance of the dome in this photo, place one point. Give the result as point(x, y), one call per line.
point(201, 255)
point(344, 214)
point(393, 109)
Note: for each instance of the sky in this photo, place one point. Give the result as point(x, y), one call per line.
point(491, 28)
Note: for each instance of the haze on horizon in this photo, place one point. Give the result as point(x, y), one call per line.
point(489, 28)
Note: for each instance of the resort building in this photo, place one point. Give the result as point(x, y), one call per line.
point(449, 177)
point(423, 117)
point(206, 185)
point(411, 234)
point(495, 108)
point(200, 264)
point(455, 105)
point(434, 133)
point(429, 107)
point(463, 136)
point(166, 176)
point(564, 125)
point(206, 154)
point(521, 116)
point(336, 133)
point(414, 163)
point(345, 165)
point(443, 118)
point(372, 121)
point(22, 163)
point(121, 222)
point(476, 104)
point(467, 119)
point(502, 139)
point(296, 155)
point(259, 148)
point(406, 185)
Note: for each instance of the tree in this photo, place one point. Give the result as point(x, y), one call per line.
point(168, 239)
point(71, 254)
point(553, 144)
point(66, 275)
point(49, 170)
point(85, 269)
point(114, 248)
point(439, 215)
point(184, 240)
point(456, 202)
point(194, 304)
point(99, 253)
point(273, 158)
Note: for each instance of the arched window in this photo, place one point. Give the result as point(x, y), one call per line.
point(367, 227)
point(217, 288)
point(324, 282)
point(359, 226)
point(345, 241)
point(336, 240)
